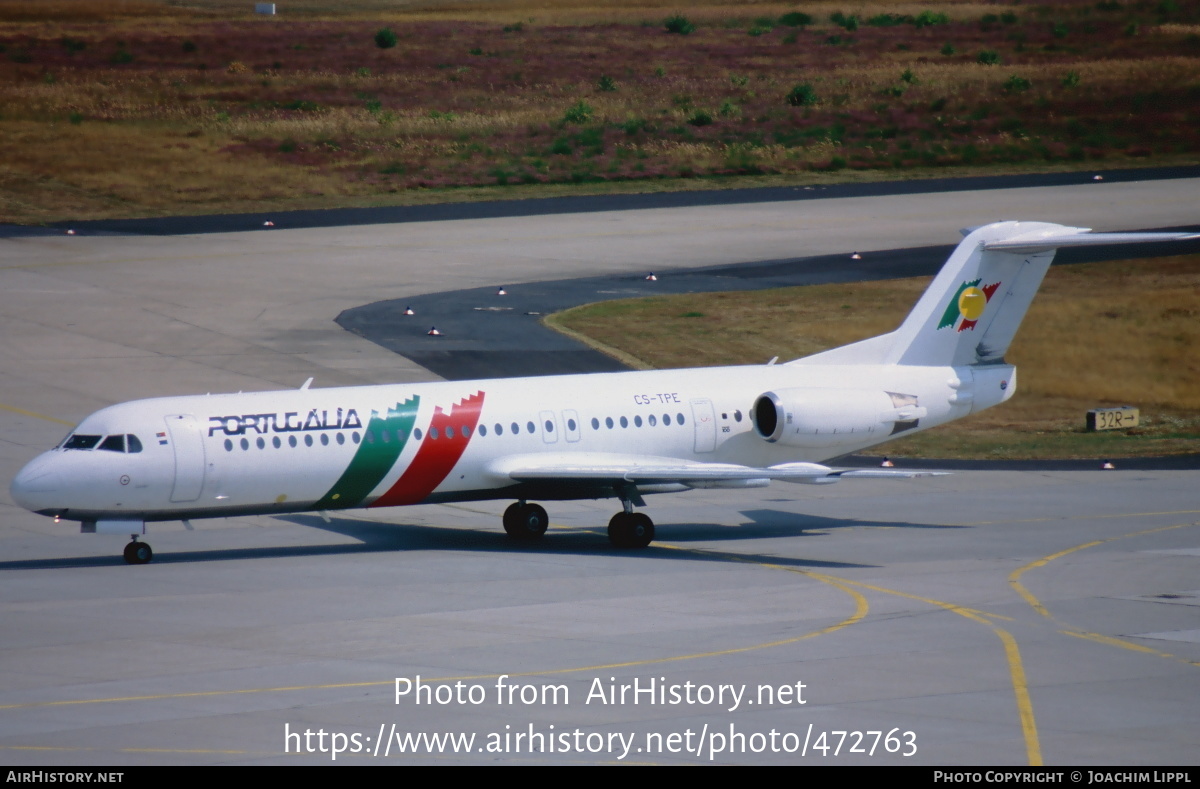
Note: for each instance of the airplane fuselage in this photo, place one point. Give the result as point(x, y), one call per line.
point(327, 449)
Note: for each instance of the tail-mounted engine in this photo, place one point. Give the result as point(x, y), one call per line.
point(831, 417)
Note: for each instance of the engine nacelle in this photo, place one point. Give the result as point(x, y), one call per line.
point(828, 417)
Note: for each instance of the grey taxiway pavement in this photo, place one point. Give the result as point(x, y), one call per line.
point(989, 617)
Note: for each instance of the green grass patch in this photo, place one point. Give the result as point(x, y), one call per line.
point(385, 38)
point(679, 24)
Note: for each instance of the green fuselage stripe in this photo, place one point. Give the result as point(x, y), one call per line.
point(382, 443)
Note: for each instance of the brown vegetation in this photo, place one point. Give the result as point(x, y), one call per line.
point(138, 107)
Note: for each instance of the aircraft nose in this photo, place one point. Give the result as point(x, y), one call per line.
point(35, 485)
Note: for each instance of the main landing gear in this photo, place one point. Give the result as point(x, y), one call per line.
point(524, 521)
point(138, 552)
point(628, 529)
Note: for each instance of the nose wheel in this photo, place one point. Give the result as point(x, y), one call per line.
point(138, 553)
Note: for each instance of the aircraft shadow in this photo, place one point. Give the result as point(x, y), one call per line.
point(768, 524)
point(589, 541)
point(376, 537)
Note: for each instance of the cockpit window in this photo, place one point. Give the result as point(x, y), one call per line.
point(120, 443)
point(79, 441)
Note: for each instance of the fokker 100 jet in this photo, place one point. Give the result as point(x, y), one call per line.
point(605, 435)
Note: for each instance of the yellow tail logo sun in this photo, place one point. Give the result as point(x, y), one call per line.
point(967, 306)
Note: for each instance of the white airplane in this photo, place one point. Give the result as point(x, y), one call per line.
point(606, 435)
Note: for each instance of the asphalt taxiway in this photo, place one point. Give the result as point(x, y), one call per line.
point(1001, 617)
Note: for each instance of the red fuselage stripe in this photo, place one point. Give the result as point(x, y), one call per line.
point(436, 457)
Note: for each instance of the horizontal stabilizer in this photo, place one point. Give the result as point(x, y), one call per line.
point(1079, 237)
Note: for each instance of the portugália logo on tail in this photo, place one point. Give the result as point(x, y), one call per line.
point(967, 306)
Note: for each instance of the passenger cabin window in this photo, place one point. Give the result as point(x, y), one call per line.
point(81, 442)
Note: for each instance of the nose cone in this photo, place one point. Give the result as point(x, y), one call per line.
point(37, 485)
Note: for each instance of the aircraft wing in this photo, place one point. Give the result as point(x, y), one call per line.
point(635, 469)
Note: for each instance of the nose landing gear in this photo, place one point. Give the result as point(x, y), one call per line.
point(138, 552)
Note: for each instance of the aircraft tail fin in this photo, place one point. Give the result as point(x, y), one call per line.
point(972, 309)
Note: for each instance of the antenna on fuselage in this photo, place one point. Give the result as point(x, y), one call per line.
point(305, 385)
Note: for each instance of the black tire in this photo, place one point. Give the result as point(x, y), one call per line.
point(642, 533)
point(512, 517)
point(630, 530)
point(138, 553)
point(526, 522)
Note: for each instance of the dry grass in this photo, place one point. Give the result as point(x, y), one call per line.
point(305, 103)
point(1117, 332)
point(199, 174)
point(75, 11)
point(1099, 334)
point(529, 12)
